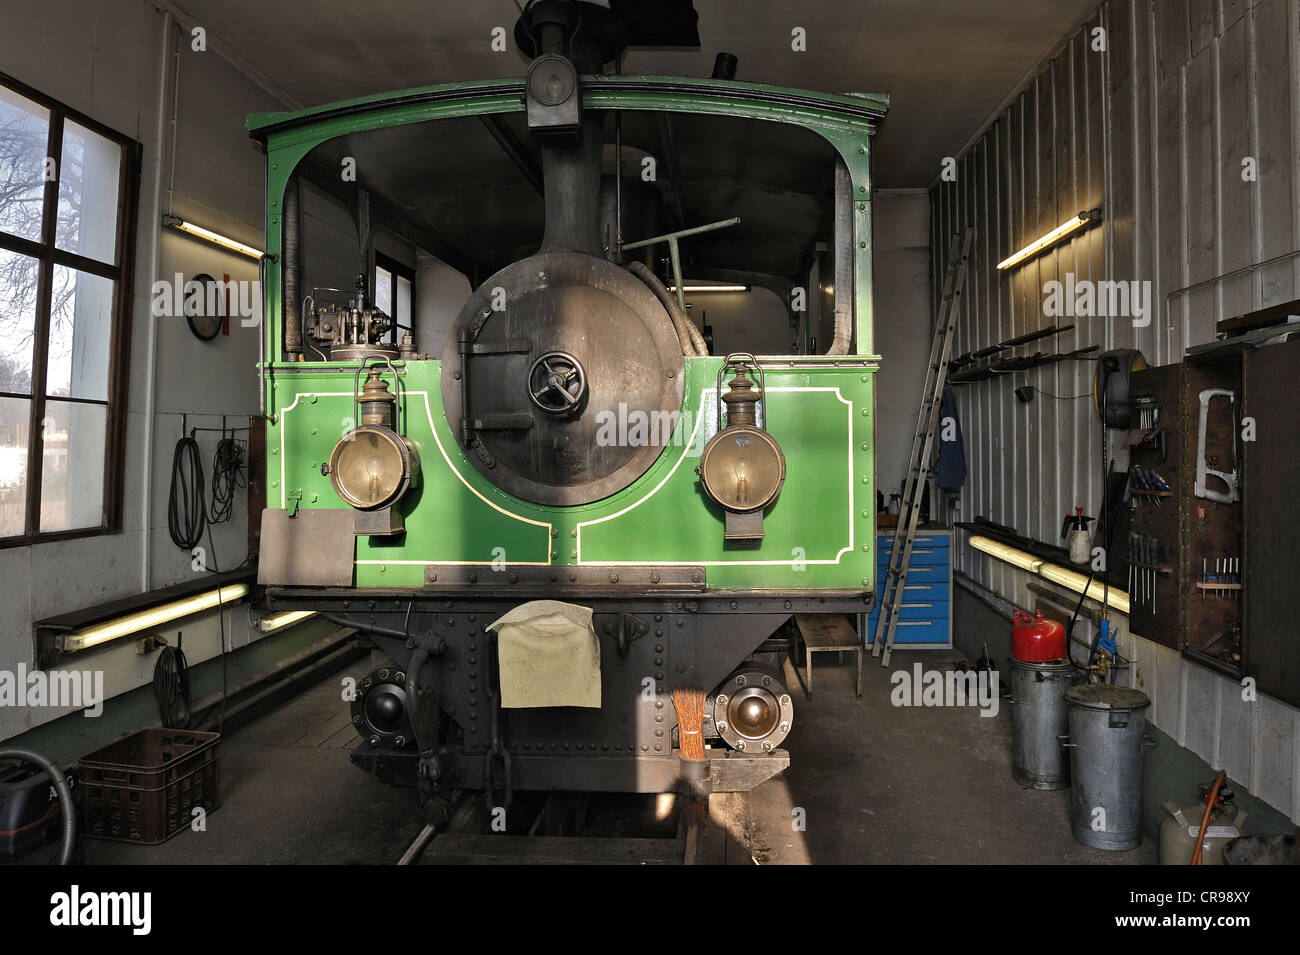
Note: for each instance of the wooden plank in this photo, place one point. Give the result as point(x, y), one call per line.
point(502, 849)
point(826, 632)
point(1202, 247)
point(1200, 16)
point(1237, 198)
point(1171, 21)
point(1272, 519)
point(1276, 106)
point(317, 734)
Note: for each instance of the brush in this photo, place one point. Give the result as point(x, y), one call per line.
point(688, 701)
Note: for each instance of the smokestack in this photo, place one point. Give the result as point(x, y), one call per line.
point(572, 181)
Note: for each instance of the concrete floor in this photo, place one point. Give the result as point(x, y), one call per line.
point(877, 783)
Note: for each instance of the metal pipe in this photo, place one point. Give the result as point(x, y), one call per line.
point(843, 261)
point(151, 349)
point(290, 262)
point(572, 187)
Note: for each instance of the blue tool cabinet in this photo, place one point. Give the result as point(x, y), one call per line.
point(925, 619)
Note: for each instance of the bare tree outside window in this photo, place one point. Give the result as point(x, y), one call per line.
point(65, 236)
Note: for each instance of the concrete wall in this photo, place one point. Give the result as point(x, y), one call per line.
point(108, 59)
point(1154, 129)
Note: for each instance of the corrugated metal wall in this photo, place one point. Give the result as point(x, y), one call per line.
point(1157, 129)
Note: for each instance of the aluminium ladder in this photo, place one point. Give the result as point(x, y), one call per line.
point(927, 418)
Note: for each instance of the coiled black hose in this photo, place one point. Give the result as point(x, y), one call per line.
point(60, 782)
point(227, 477)
point(171, 687)
point(187, 516)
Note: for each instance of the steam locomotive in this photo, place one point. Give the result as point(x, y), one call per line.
point(558, 507)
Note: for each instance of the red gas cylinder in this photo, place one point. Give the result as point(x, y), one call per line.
point(1036, 641)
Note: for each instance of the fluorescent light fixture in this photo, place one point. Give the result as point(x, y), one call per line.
point(1061, 576)
point(277, 621)
point(1017, 558)
point(207, 235)
point(1056, 235)
point(710, 287)
point(153, 617)
point(1073, 580)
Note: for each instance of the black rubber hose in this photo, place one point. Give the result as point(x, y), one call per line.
point(689, 337)
point(187, 515)
point(61, 786)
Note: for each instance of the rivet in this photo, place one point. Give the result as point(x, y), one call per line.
point(659, 747)
point(659, 704)
point(866, 412)
point(659, 647)
point(722, 698)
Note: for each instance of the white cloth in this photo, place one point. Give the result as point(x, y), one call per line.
point(548, 655)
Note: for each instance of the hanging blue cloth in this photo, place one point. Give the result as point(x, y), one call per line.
point(952, 453)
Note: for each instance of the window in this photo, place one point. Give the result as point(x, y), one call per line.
point(68, 190)
point(394, 292)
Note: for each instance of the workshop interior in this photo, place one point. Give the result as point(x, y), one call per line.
point(649, 432)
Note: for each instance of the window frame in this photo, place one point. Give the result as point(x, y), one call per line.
point(122, 274)
point(394, 268)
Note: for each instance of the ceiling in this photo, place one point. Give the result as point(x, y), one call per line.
point(947, 64)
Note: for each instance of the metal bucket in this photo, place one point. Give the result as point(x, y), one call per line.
point(1107, 725)
point(1038, 721)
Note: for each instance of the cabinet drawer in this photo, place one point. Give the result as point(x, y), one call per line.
point(919, 622)
point(915, 632)
point(916, 573)
point(885, 542)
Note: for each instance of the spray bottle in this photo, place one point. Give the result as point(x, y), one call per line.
point(1075, 527)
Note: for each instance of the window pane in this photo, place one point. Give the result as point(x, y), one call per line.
point(81, 331)
point(18, 275)
point(15, 423)
point(24, 140)
point(384, 290)
point(72, 469)
point(88, 181)
point(403, 315)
